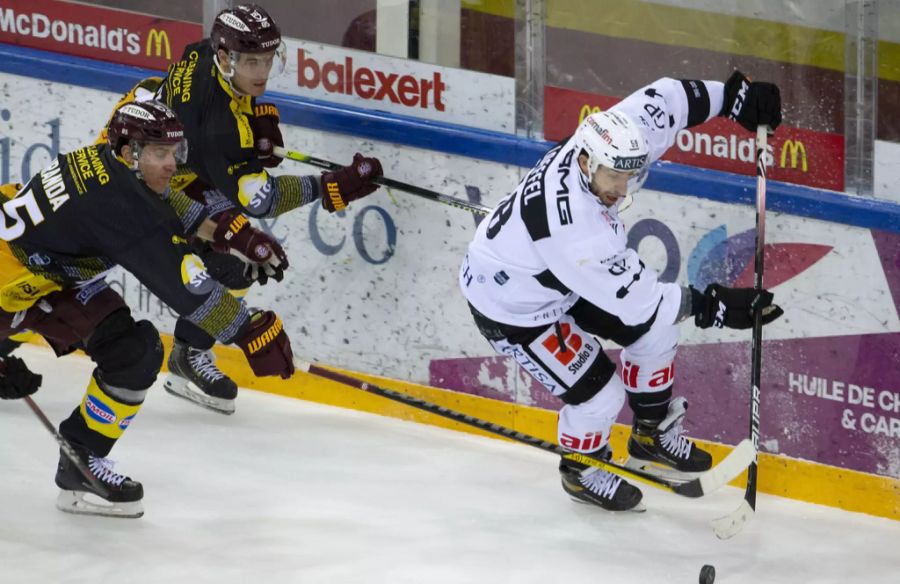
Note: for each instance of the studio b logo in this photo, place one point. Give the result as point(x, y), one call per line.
point(568, 350)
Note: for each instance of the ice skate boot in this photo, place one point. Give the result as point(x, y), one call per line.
point(599, 487)
point(654, 442)
point(193, 375)
point(121, 499)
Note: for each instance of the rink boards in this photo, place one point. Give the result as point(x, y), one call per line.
point(374, 290)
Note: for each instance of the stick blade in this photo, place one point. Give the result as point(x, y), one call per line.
point(730, 467)
point(730, 525)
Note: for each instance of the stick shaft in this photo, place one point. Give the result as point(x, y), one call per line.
point(387, 182)
point(66, 448)
point(756, 340)
point(690, 489)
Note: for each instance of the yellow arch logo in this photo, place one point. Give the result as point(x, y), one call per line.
point(587, 110)
point(157, 38)
point(796, 148)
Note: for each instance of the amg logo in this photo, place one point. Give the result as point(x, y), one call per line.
point(562, 194)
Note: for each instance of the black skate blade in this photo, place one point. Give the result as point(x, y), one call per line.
point(660, 471)
point(81, 503)
point(639, 508)
point(188, 391)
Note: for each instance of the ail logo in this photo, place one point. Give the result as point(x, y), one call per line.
point(566, 352)
point(588, 443)
point(658, 379)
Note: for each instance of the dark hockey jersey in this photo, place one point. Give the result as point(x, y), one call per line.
point(216, 125)
point(88, 212)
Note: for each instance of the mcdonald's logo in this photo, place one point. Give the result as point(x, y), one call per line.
point(587, 110)
point(795, 147)
point(160, 37)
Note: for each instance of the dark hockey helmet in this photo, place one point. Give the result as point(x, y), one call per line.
point(246, 28)
point(143, 122)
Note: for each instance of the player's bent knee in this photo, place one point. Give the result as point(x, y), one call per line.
point(128, 354)
point(594, 380)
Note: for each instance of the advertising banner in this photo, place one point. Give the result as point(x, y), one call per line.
point(399, 86)
point(97, 32)
point(798, 156)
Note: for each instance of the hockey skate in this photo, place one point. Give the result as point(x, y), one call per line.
point(122, 498)
point(660, 447)
point(599, 487)
point(193, 375)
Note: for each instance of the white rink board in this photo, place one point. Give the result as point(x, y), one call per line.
point(376, 290)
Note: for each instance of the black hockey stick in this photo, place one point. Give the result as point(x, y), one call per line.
point(387, 182)
point(720, 475)
point(66, 448)
point(729, 525)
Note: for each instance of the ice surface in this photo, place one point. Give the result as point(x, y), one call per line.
point(287, 491)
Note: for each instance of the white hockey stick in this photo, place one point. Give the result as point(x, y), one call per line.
point(731, 524)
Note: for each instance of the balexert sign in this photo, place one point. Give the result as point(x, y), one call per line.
point(96, 32)
point(399, 86)
point(368, 83)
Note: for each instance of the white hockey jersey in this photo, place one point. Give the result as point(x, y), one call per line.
point(552, 241)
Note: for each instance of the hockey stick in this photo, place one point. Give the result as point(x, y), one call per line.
point(387, 182)
point(66, 448)
point(729, 525)
point(720, 475)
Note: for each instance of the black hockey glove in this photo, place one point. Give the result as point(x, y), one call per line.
point(734, 308)
point(751, 103)
point(266, 133)
point(16, 380)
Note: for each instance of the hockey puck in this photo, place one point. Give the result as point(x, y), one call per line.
point(707, 574)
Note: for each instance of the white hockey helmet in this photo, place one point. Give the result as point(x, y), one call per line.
point(612, 139)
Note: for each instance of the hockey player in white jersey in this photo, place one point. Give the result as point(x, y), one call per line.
point(549, 271)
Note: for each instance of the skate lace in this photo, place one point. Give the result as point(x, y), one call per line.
point(602, 483)
point(103, 470)
point(203, 364)
point(674, 441)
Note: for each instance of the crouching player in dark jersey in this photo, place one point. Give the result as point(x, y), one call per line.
point(90, 210)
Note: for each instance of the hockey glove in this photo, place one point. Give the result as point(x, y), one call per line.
point(266, 346)
point(350, 183)
point(264, 256)
point(734, 308)
point(266, 133)
point(16, 380)
point(751, 103)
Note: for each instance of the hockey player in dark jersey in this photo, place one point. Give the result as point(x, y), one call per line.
point(214, 90)
point(90, 210)
point(550, 271)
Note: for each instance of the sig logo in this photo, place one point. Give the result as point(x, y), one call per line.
point(194, 275)
point(156, 40)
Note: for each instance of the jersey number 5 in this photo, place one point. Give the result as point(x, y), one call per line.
point(10, 212)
